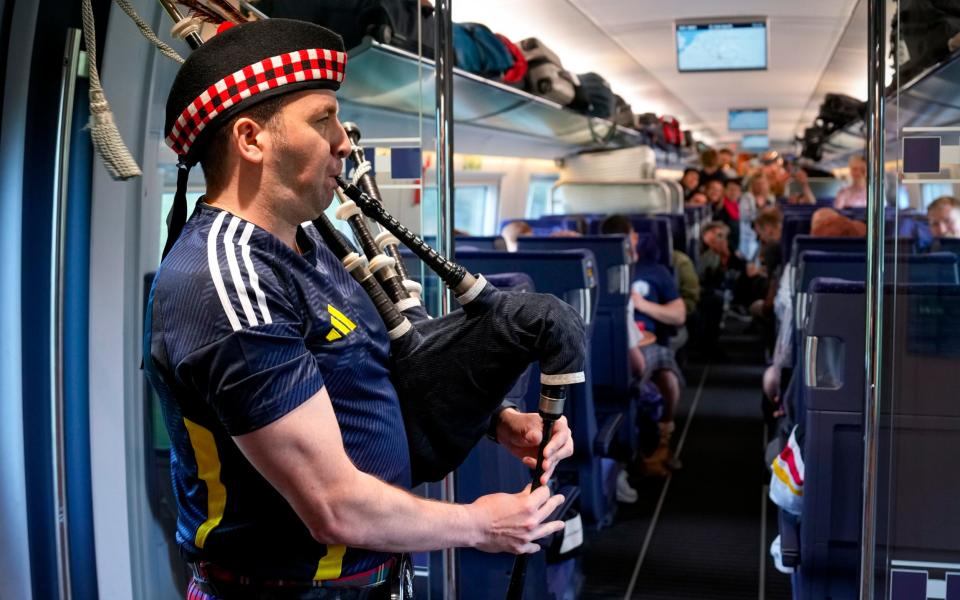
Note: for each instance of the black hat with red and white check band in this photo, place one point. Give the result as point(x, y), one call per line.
point(234, 70)
point(242, 66)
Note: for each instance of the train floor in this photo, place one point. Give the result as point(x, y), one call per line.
point(704, 532)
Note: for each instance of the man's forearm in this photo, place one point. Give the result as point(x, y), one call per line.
point(666, 314)
point(379, 516)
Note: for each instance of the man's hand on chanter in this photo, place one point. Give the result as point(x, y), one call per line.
point(512, 522)
point(520, 433)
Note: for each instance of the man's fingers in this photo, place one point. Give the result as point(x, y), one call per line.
point(548, 528)
point(549, 506)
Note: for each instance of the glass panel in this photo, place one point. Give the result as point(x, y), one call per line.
point(918, 530)
point(394, 145)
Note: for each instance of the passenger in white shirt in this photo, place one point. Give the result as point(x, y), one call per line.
point(855, 194)
point(751, 203)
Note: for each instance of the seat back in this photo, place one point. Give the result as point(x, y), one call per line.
point(921, 347)
point(487, 242)
point(570, 275)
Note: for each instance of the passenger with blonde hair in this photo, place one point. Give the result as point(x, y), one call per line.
point(855, 194)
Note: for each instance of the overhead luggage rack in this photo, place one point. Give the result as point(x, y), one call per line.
point(932, 99)
point(384, 78)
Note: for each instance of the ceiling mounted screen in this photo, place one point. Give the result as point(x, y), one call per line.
point(722, 45)
point(747, 119)
point(755, 142)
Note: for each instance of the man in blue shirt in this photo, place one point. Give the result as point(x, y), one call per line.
point(657, 305)
point(289, 458)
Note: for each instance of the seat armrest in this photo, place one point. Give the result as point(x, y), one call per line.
point(606, 434)
point(789, 539)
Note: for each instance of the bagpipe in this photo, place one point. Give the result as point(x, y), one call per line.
point(452, 372)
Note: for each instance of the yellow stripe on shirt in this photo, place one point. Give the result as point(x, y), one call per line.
point(337, 315)
point(782, 476)
point(331, 564)
point(208, 469)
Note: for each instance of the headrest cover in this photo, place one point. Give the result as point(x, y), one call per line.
point(245, 65)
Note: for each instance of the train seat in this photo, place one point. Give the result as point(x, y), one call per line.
point(823, 544)
point(489, 469)
point(488, 242)
point(680, 231)
point(659, 228)
point(570, 275)
point(609, 365)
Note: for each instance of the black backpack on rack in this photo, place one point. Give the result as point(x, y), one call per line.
point(546, 76)
point(838, 111)
point(928, 31)
point(391, 22)
point(594, 97)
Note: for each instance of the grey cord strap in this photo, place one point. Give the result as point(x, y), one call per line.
point(147, 32)
point(103, 130)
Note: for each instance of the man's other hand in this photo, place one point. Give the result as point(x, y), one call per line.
point(520, 433)
point(511, 522)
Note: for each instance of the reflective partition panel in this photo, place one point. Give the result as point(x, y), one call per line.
point(135, 509)
point(917, 549)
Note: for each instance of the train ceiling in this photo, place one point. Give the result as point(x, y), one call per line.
point(631, 42)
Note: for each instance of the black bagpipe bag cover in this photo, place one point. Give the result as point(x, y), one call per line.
point(466, 362)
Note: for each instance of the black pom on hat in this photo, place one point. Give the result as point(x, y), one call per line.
point(242, 66)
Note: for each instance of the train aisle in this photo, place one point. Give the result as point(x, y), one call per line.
point(698, 534)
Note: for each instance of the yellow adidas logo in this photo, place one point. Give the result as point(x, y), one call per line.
point(341, 324)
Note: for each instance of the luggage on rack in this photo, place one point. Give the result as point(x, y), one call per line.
point(391, 22)
point(812, 143)
point(688, 141)
point(838, 111)
point(926, 33)
point(623, 114)
point(594, 97)
point(546, 76)
point(670, 135)
point(480, 51)
point(518, 72)
point(648, 124)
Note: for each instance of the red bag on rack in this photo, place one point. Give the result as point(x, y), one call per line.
point(670, 127)
point(518, 71)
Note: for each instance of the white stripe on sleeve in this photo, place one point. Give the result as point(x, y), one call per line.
point(234, 266)
point(252, 273)
point(214, 263)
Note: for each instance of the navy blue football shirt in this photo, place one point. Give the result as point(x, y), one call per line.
point(241, 330)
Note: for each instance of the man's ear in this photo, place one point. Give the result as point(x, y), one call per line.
point(248, 137)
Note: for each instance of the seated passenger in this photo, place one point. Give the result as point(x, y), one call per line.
point(727, 163)
point(855, 194)
point(514, 230)
point(710, 167)
point(690, 182)
point(799, 185)
point(825, 222)
point(769, 229)
point(696, 199)
point(943, 216)
point(657, 308)
point(723, 213)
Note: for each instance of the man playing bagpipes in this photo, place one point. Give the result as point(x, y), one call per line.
point(290, 460)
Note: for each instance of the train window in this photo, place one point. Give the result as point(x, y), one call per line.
point(166, 201)
point(474, 209)
point(538, 195)
point(932, 191)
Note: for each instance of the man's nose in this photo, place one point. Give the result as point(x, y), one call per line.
point(341, 145)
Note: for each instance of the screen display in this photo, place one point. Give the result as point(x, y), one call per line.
point(747, 119)
point(721, 46)
point(755, 142)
